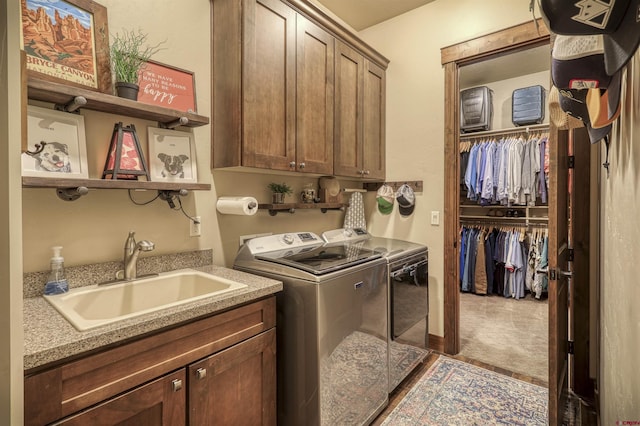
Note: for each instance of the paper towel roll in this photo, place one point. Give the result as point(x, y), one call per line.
point(245, 206)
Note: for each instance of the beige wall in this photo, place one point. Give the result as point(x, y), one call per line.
point(93, 228)
point(415, 114)
point(11, 335)
point(619, 289)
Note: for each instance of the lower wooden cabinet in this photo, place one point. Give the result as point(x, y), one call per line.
point(219, 370)
point(161, 402)
point(236, 386)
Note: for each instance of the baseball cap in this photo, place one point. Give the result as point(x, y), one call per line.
point(577, 62)
point(385, 199)
point(406, 200)
point(618, 21)
point(574, 102)
point(604, 104)
point(558, 117)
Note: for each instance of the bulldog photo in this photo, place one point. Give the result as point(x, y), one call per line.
point(172, 165)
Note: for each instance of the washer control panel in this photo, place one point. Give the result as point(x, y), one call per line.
point(350, 235)
point(293, 240)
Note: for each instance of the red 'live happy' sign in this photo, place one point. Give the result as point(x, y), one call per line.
point(167, 86)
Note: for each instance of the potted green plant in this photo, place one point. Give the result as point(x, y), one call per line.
point(129, 53)
point(279, 190)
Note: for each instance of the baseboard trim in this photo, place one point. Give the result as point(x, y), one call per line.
point(436, 343)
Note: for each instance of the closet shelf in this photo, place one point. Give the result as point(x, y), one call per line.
point(505, 218)
point(512, 130)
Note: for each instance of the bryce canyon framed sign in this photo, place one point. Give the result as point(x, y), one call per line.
point(67, 41)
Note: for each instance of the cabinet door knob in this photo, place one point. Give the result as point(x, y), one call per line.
point(292, 164)
point(201, 373)
point(302, 165)
point(176, 385)
point(365, 172)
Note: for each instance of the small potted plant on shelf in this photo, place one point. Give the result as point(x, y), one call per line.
point(279, 190)
point(129, 53)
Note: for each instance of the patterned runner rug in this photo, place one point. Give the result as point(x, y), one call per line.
point(452, 392)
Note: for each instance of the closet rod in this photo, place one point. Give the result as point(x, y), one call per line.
point(513, 130)
point(506, 224)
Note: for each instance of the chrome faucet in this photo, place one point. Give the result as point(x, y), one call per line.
point(131, 252)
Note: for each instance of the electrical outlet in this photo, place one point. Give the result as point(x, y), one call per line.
point(195, 229)
point(435, 217)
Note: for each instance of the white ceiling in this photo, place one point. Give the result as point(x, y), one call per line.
point(361, 14)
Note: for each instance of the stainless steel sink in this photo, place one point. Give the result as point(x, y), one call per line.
point(96, 305)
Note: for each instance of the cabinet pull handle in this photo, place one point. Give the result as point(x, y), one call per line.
point(292, 164)
point(201, 373)
point(366, 172)
point(176, 385)
point(302, 165)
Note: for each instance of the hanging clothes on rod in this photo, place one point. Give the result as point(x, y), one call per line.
point(509, 170)
point(503, 260)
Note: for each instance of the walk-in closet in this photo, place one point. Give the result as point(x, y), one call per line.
point(503, 220)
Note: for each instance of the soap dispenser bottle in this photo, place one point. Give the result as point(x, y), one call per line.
point(56, 281)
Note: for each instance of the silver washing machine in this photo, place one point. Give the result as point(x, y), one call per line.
point(332, 327)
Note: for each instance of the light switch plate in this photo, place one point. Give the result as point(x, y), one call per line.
point(435, 217)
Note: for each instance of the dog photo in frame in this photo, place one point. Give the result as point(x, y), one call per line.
point(172, 156)
point(56, 145)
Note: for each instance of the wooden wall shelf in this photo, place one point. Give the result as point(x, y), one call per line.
point(61, 95)
point(38, 182)
point(274, 209)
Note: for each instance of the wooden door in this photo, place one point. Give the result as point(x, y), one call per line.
point(558, 273)
point(236, 386)
point(314, 121)
point(269, 81)
point(373, 132)
point(159, 403)
point(348, 138)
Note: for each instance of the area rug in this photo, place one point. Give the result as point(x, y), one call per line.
point(452, 392)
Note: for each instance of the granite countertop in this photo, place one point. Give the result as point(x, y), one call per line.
point(49, 337)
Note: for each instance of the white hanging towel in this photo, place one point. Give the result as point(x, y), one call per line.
point(354, 217)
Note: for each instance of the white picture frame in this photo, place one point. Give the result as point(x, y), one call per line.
point(64, 152)
point(172, 156)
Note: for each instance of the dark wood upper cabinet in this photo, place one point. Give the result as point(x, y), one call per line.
point(315, 78)
point(359, 116)
point(279, 101)
point(269, 85)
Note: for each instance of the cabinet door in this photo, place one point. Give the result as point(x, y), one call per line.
point(161, 402)
point(373, 132)
point(315, 72)
point(269, 76)
point(348, 138)
point(236, 386)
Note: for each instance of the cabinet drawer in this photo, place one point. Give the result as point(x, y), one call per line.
point(87, 381)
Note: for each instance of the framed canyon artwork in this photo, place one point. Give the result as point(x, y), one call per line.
point(67, 41)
